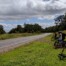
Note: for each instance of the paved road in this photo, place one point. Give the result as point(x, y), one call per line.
point(6, 45)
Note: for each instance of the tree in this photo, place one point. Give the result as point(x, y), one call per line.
point(61, 22)
point(59, 19)
point(28, 28)
point(31, 28)
point(18, 29)
point(2, 30)
point(37, 28)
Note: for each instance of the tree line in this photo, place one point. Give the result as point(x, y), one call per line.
point(28, 28)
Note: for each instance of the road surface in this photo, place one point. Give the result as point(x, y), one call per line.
point(9, 44)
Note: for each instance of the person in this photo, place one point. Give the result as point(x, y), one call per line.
point(61, 38)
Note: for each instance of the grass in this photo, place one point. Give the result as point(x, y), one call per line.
point(37, 53)
point(8, 36)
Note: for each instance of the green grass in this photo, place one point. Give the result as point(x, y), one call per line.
point(15, 35)
point(37, 53)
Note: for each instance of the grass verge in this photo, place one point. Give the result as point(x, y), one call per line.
point(37, 53)
point(15, 35)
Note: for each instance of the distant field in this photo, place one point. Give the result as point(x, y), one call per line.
point(8, 36)
point(37, 53)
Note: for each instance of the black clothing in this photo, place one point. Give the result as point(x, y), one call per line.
point(63, 36)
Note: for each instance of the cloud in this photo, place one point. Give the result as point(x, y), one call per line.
point(44, 24)
point(22, 9)
point(8, 27)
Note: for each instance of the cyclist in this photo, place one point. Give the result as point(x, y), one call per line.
point(61, 38)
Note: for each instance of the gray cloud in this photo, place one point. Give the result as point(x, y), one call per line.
point(22, 9)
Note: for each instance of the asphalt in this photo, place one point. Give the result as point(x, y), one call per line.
point(9, 44)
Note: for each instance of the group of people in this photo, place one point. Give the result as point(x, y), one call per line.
point(60, 37)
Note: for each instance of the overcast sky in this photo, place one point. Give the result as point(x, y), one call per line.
point(13, 12)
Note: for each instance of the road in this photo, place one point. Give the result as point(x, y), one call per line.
point(9, 44)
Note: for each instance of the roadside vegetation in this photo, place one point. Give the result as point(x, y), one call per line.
point(19, 31)
point(37, 53)
point(16, 35)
